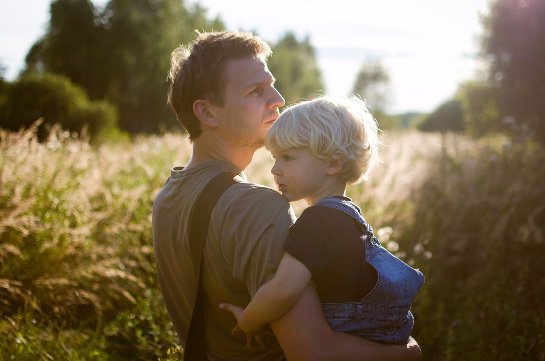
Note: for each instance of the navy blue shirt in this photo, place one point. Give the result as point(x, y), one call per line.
point(328, 242)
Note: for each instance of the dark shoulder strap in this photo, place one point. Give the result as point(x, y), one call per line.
point(202, 209)
point(198, 224)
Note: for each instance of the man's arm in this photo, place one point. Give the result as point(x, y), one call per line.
point(304, 334)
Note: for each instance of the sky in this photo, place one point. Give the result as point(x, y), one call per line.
point(428, 47)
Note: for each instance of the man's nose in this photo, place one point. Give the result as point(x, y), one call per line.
point(277, 100)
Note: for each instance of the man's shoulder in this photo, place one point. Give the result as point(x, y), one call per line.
point(253, 191)
point(250, 199)
point(245, 201)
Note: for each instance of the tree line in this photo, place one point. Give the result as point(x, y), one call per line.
point(508, 96)
point(104, 69)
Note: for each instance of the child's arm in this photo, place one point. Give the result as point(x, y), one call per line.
point(274, 298)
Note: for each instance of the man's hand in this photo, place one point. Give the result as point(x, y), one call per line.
point(414, 349)
point(304, 335)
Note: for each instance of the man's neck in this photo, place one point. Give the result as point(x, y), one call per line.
point(207, 149)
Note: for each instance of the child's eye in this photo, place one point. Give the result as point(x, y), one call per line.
point(287, 157)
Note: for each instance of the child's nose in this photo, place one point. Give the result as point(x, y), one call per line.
point(275, 170)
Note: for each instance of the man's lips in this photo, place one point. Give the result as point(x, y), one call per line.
point(273, 119)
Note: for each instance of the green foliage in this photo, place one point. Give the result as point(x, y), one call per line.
point(24, 338)
point(2, 70)
point(410, 120)
point(480, 108)
point(448, 117)
point(3, 95)
point(143, 33)
point(120, 54)
point(386, 121)
point(142, 333)
point(373, 84)
point(56, 100)
point(404, 121)
point(72, 46)
point(3, 82)
point(295, 68)
point(77, 275)
point(513, 43)
point(478, 233)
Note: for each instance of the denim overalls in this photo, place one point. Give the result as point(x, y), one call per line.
point(384, 314)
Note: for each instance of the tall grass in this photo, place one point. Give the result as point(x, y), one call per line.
point(478, 231)
point(77, 276)
point(76, 265)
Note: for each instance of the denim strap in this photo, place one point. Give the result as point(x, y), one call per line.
point(347, 207)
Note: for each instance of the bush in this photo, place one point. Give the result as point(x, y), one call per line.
point(56, 100)
point(478, 233)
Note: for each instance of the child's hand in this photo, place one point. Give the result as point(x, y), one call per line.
point(237, 312)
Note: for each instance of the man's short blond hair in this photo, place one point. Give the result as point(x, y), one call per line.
point(330, 128)
point(197, 71)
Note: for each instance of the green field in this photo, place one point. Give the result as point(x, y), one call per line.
point(77, 279)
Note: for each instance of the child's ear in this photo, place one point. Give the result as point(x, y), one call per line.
point(336, 164)
point(203, 110)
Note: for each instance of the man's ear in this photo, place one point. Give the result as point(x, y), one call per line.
point(204, 112)
point(336, 164)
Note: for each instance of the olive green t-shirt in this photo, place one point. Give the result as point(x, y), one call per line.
point(244, 244)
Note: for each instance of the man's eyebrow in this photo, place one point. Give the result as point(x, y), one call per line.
point(264, 81)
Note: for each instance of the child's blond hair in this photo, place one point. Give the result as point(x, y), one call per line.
point(330, 128)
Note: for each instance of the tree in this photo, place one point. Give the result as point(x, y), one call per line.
point(448, 117)
point(480, 108)
point(142, 35)
point(295, 68)
point(2, 71)
point(2, 80)
point(73, 46)
point(121, 53)
point(513, 42)
point(373, 85)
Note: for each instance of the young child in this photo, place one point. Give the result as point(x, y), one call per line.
point(319, 146)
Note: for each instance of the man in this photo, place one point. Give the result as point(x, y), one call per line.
point(223, 93)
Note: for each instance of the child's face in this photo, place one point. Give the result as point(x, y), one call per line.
point(300, 175)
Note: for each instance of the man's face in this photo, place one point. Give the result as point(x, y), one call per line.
point(251, 103)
